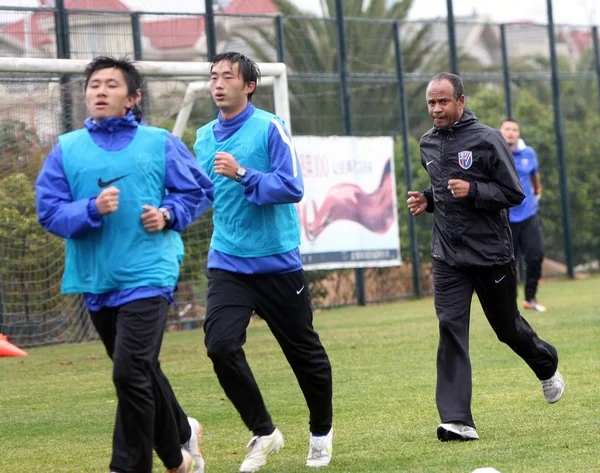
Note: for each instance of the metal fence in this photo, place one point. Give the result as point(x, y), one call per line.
point(367, 76)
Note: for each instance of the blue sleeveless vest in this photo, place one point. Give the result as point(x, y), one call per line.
point(120, 254)
point(242, 228)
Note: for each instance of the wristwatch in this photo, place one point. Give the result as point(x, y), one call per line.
point(167, 216)
point(240, 173)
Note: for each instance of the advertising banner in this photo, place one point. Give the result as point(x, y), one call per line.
point(348, 215)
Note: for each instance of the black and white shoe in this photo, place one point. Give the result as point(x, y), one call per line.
point(553, 388)
point(455, 431)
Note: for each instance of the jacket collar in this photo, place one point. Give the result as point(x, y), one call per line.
point(111, 124)
point(467, 118)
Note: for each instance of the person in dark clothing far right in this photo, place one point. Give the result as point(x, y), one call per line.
point(473, 183)
point(524, 220)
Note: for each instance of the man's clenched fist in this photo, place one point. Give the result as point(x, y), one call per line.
point(108, 200)
point(153, 219)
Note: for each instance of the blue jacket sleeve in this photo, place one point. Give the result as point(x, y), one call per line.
point(535, 168)
point(283, 184)
point(57, 212)
point(190, 189)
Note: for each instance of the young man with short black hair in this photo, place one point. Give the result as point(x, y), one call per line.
point(254, 259)
point(525, 223)
point(119, 193)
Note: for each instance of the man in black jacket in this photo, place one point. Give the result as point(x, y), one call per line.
point(473, 183)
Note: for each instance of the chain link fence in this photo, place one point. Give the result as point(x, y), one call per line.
point(506, 70)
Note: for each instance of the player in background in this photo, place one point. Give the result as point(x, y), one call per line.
point(254, 259)
point(525, 223)
point(473, 183)
point(119, 193)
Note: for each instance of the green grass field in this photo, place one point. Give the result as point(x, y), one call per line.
point(57, 405)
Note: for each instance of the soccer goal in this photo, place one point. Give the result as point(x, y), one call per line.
point(39, 100)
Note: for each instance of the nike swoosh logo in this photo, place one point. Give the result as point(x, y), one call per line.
point(299, 291)
point(429, 162)
point(267, 449)
point(102, 183)
point(498, 280)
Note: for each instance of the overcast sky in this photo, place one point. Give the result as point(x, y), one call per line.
point(579, 12)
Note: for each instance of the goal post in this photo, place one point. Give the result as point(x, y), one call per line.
point(36, 105)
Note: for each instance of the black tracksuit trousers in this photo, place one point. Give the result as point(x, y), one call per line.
point(527, 241)
point(148, 414)
point(496, 289)
point(282, 300)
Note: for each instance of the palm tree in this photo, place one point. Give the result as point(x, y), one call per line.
point(311, 54)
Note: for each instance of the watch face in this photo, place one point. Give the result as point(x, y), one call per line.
point(166, 214)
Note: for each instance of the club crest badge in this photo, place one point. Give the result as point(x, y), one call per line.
point(465, 159)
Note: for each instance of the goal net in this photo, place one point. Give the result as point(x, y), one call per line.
point(39, 100)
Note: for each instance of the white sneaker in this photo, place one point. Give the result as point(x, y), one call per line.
point(193, 445)
point(320, 450)
point(260, 447)
point(451, 431)
point(553, 388)
point(535, 305)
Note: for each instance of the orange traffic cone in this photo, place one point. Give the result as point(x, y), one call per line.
point(8, 349)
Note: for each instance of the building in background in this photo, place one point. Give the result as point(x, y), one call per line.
point(164, 38)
